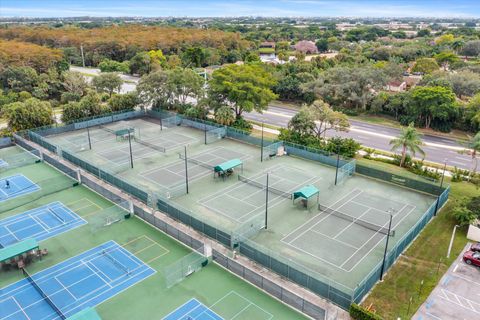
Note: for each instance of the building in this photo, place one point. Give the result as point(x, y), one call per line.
point(396, 86)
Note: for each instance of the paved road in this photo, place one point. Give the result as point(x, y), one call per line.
point(129, 85)
point(437, 149)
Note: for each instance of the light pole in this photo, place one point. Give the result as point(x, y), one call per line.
point(266, 203)
point(338, 161)
point(261, 149)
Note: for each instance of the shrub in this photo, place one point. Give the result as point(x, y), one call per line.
point(359, 313)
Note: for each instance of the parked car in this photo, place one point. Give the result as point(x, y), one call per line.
point(472, 257)
point(475, 247)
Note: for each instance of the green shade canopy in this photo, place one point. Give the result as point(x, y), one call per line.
point(230, 164)
point(124, 132)
point(305, 192)
point(17, 249)
point(85, 314)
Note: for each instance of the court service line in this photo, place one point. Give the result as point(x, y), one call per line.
point(328, 215)
point(374, 246)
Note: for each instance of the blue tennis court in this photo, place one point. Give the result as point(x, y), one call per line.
point(40, 223)
point(193, 309)
point(17, 185)
point(83, 281)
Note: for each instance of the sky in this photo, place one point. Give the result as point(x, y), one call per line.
point(233, 8)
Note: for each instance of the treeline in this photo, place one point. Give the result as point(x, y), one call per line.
point(121, 43)
point(15, 53)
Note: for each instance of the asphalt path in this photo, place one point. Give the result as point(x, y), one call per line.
point(437, 149)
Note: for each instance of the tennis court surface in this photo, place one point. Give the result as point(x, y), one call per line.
point(16, 186)
point(40, 223)
point(83, 281)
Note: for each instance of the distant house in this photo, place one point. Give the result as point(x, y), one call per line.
point(396, 86)
point(306, 47)
point(267, 44)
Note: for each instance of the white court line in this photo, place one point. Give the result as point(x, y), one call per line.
point(20, 307)
point(376, 244)
point(433, 316)
point(76, 265)
point(352, 222)
point(347, 244)
point(327, 216)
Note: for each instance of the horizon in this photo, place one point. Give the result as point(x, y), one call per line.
point(241, 8)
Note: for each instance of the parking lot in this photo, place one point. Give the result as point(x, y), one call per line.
point(457, 296)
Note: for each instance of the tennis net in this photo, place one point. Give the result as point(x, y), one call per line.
point(107, 129)
point(62, 220)
point(151, 146)
point(257, 184)
point(117, 263)
point(356, 220)
point(197, 162)
point(43, 294)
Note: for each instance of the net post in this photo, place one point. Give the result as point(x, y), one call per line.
point(130, 207)
point(382, 270)
point(89, 140)
point(79, 176)
point(186, 169)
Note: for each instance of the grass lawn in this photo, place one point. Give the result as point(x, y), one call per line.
point(425, 260)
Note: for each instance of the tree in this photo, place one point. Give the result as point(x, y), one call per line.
point(140, 64)
point(409, 141)
point(242, 88)
point(464, 83)
point(462, 213)
point(107, 82)
point(444, 39)
point(322, 45)
point(324, 118)
point(127, 101)
point(108, 65)
point(75, 83)
point(425, 65)
point(153, 90)
point(193, 57)
point(31, 113)
point(224, 115)
point(471, 48)
point(423, 33)
point(433, 105)
point(20, 78)
point(446, 57)
point(157, 59)
point(347, 87)
point(184, 83)
point(90, 105)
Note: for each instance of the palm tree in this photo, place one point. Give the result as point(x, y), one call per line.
point(474, 145)
point(408, 140)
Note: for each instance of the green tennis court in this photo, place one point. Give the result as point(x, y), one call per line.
point(149, 298)
point(339, 242)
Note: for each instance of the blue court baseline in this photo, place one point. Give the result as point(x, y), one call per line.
point(40, 223)
point(82, 281)
point(193, 310)
point(19, 185)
